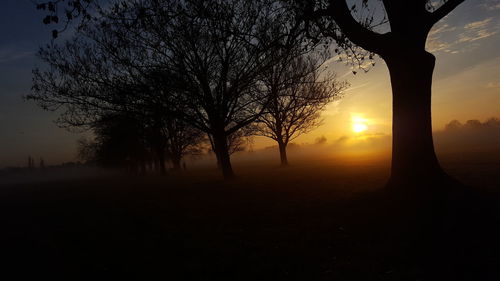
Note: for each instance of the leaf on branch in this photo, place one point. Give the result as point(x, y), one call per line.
point(51, 7)
point(47, 19)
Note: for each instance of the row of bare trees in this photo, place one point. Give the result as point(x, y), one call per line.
point(392, 29)
point(125, 141)
point(153, 78)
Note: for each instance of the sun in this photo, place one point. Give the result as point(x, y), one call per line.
point(359, 124)
point(359, 127)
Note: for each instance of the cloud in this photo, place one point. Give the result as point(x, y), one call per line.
point(494, 7)
point(442, 29)
point(492, 85)
point(357, 87)
point(478, 24)
point(435, 41)
point(491, 5)
point(477, 30)
point(475, 35)
point(436, 45)
point(446, 38)
point(8, 55)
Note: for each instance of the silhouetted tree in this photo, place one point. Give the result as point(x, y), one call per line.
point(182, 140)
point(216, 51)
point(87, 150)
point(402, 46)
point(297, 96)
point(31, 163)
point(120, 142)
point(203, 58)
point(241, 140)
point(89, 80)
point(63, 12)
point(83, 83)
point(236, 142)
point(453, 125)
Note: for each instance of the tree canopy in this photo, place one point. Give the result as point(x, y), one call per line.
point(198, 64)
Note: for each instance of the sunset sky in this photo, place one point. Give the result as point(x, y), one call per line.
point(466, 84)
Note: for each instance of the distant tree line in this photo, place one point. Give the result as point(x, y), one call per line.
point(158, 80)
point(473, 124)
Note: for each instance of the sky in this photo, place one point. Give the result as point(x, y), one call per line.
point(466, 85)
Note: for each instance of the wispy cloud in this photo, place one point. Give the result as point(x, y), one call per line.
point(448, 39)
point(478, 24)
point(357, 86)
point(435, 43)
point(491, 5)
point(478, 30)
point(9, 54)
point(441, 29)
point(492, 85)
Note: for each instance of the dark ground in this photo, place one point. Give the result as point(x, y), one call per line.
point(320, 221)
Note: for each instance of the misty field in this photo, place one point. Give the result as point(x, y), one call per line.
point(315, 220)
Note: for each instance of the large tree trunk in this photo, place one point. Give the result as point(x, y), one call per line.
point(424, 191)
point(414, 161)
point(212, 144)
point(283, 156)
point(222, 152)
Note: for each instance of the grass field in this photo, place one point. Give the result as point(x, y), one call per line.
point(315, 220)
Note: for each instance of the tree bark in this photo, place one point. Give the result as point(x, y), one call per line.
point(283, 156)
point(222, 154)
point(413, 157)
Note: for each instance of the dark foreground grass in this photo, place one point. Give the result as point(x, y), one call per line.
point(307, 222)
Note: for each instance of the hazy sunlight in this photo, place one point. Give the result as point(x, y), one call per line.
point(359, 124)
